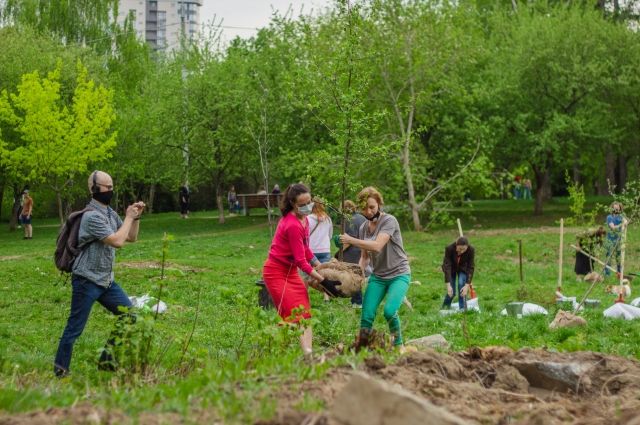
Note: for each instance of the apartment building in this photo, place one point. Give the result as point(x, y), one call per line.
point(161, 22)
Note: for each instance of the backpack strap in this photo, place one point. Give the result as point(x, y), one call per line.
point(81, 212)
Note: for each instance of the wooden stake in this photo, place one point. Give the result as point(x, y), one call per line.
point(560, 255)
point(622, 249)
point(520, 255)
point(459, 227)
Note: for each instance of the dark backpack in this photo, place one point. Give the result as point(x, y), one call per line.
point(67, 243)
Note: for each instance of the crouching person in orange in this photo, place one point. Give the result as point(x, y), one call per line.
point(289, 252)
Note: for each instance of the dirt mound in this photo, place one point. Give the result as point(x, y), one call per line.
point(495, 385)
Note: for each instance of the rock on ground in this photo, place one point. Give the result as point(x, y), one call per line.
point(431, 341)
point(368, 401)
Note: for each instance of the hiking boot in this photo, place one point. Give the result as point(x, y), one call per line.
point(363, 339)
point(106, 362)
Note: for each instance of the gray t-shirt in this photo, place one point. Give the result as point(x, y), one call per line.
point(97, 259)
point(391, 261)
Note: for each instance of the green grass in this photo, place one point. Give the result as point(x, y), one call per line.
point(238, 356)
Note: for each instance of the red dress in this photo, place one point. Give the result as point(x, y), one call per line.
point(289, 252)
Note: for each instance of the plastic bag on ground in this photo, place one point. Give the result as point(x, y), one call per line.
point(529, 309)
point(472, 305)
point(148, 302)
point(622, 311)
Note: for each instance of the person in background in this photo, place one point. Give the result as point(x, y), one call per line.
point(320, 233)
point(517, 187)
point(588, 240)
point(289, 252)
point(458, 266)
point(351, 253)
point(20, 207)
point(526, 189)
point(183, 196)
point(616, 222)
point(25, 215)
point(232, 200)
point(261, 191)
point(380, 243)
point(276, 189)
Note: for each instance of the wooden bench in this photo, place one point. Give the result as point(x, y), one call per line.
point(253, 200)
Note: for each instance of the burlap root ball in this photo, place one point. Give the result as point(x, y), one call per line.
point(349, 274)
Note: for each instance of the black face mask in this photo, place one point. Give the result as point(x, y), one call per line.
point(103, 197)
point(375, 216)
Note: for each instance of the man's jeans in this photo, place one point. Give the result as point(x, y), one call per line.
point(462, 280)
point(84, 294)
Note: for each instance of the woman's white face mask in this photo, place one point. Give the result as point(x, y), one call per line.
point(306, 209)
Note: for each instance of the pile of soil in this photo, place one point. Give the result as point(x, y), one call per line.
point(494, 385)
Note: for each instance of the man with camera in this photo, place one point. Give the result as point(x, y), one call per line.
point(100, 233)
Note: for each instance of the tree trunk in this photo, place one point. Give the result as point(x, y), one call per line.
point(622, 172)
point(219, 201)
point(152, 197)
point(406, 167)
point(576, 168)
point(13, 220)
point(547, 191)
point(542, 178)
point(1, 198)
point(59, 202)
point(610, 171)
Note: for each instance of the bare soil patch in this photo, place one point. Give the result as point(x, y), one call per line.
point(10, 257)
point(156, 265)
point(495, 385)
point(85, 414)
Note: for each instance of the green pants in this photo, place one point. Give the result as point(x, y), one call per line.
point(395, 289)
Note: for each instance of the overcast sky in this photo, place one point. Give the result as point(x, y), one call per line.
point(253, 13)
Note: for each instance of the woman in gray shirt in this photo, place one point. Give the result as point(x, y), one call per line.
point(381, 244)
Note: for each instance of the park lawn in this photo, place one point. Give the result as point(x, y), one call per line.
point(238, 356)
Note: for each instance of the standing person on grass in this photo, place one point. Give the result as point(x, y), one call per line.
point(320, 234)
point(25, 216)
point(616, 222)
point(184, 201)
point(92, 279)
point(458, 266)
point(380, 242)
point(289, 252)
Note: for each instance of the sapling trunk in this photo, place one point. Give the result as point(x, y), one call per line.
point(560, 255)
point(193, 327)
point(347, 143)
point(520, 260)
point(623, 241)
point(522, 291)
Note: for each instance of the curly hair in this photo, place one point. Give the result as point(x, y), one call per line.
point(370, 192)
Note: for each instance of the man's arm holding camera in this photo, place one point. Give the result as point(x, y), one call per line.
point(128, 232)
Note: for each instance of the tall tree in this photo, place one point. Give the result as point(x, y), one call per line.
point(423, 54)
point(79, 21)
point(548, 63)
point(59, 137)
